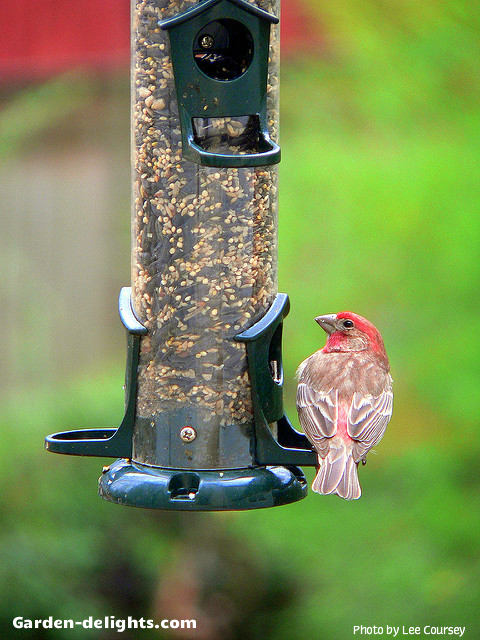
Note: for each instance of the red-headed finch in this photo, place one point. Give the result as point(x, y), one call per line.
point(344, 400)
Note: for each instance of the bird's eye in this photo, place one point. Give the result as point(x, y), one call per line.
point(348, 324)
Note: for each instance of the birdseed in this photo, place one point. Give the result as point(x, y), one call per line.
point(204, 264)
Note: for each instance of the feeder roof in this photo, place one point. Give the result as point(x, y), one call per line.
point(207, 4)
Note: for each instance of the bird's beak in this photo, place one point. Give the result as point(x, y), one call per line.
point(327, 322)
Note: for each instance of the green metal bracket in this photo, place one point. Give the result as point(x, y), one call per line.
point(263, 341)
point(108, 442)
point(202, 96)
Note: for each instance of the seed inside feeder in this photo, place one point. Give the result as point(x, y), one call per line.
point(204, 250)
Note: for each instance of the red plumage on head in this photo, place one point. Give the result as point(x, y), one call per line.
point(366, 327)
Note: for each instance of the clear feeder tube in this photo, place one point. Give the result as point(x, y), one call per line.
point(204, 262)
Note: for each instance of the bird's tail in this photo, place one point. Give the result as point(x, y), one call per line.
point(337, 473)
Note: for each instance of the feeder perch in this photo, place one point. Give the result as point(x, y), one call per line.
point(204, 426)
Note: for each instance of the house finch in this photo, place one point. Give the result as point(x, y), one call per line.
point(344, 400)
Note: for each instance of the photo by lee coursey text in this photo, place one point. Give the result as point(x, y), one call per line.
point(406, 630)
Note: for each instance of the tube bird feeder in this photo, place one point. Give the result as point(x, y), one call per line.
point(204, 426)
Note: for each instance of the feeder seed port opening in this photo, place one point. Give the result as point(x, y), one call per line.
point(220, 51)
point(204, 426)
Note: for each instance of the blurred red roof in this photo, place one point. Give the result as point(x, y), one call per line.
point(41, 37)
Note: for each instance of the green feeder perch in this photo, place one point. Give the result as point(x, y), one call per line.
point(204, 425)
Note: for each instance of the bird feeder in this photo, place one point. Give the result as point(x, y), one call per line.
point(204, 426)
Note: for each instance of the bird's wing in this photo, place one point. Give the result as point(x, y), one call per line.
point(318, 414)
point(368, 417)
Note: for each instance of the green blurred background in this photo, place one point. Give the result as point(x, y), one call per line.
point(379, 213)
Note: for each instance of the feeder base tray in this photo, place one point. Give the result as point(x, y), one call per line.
point(137, 485)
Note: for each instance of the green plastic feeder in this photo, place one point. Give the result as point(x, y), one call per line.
point(204, 427)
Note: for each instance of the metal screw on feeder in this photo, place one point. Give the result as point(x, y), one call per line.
point(187, 434)
point(207, 41)
point(203, 316)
